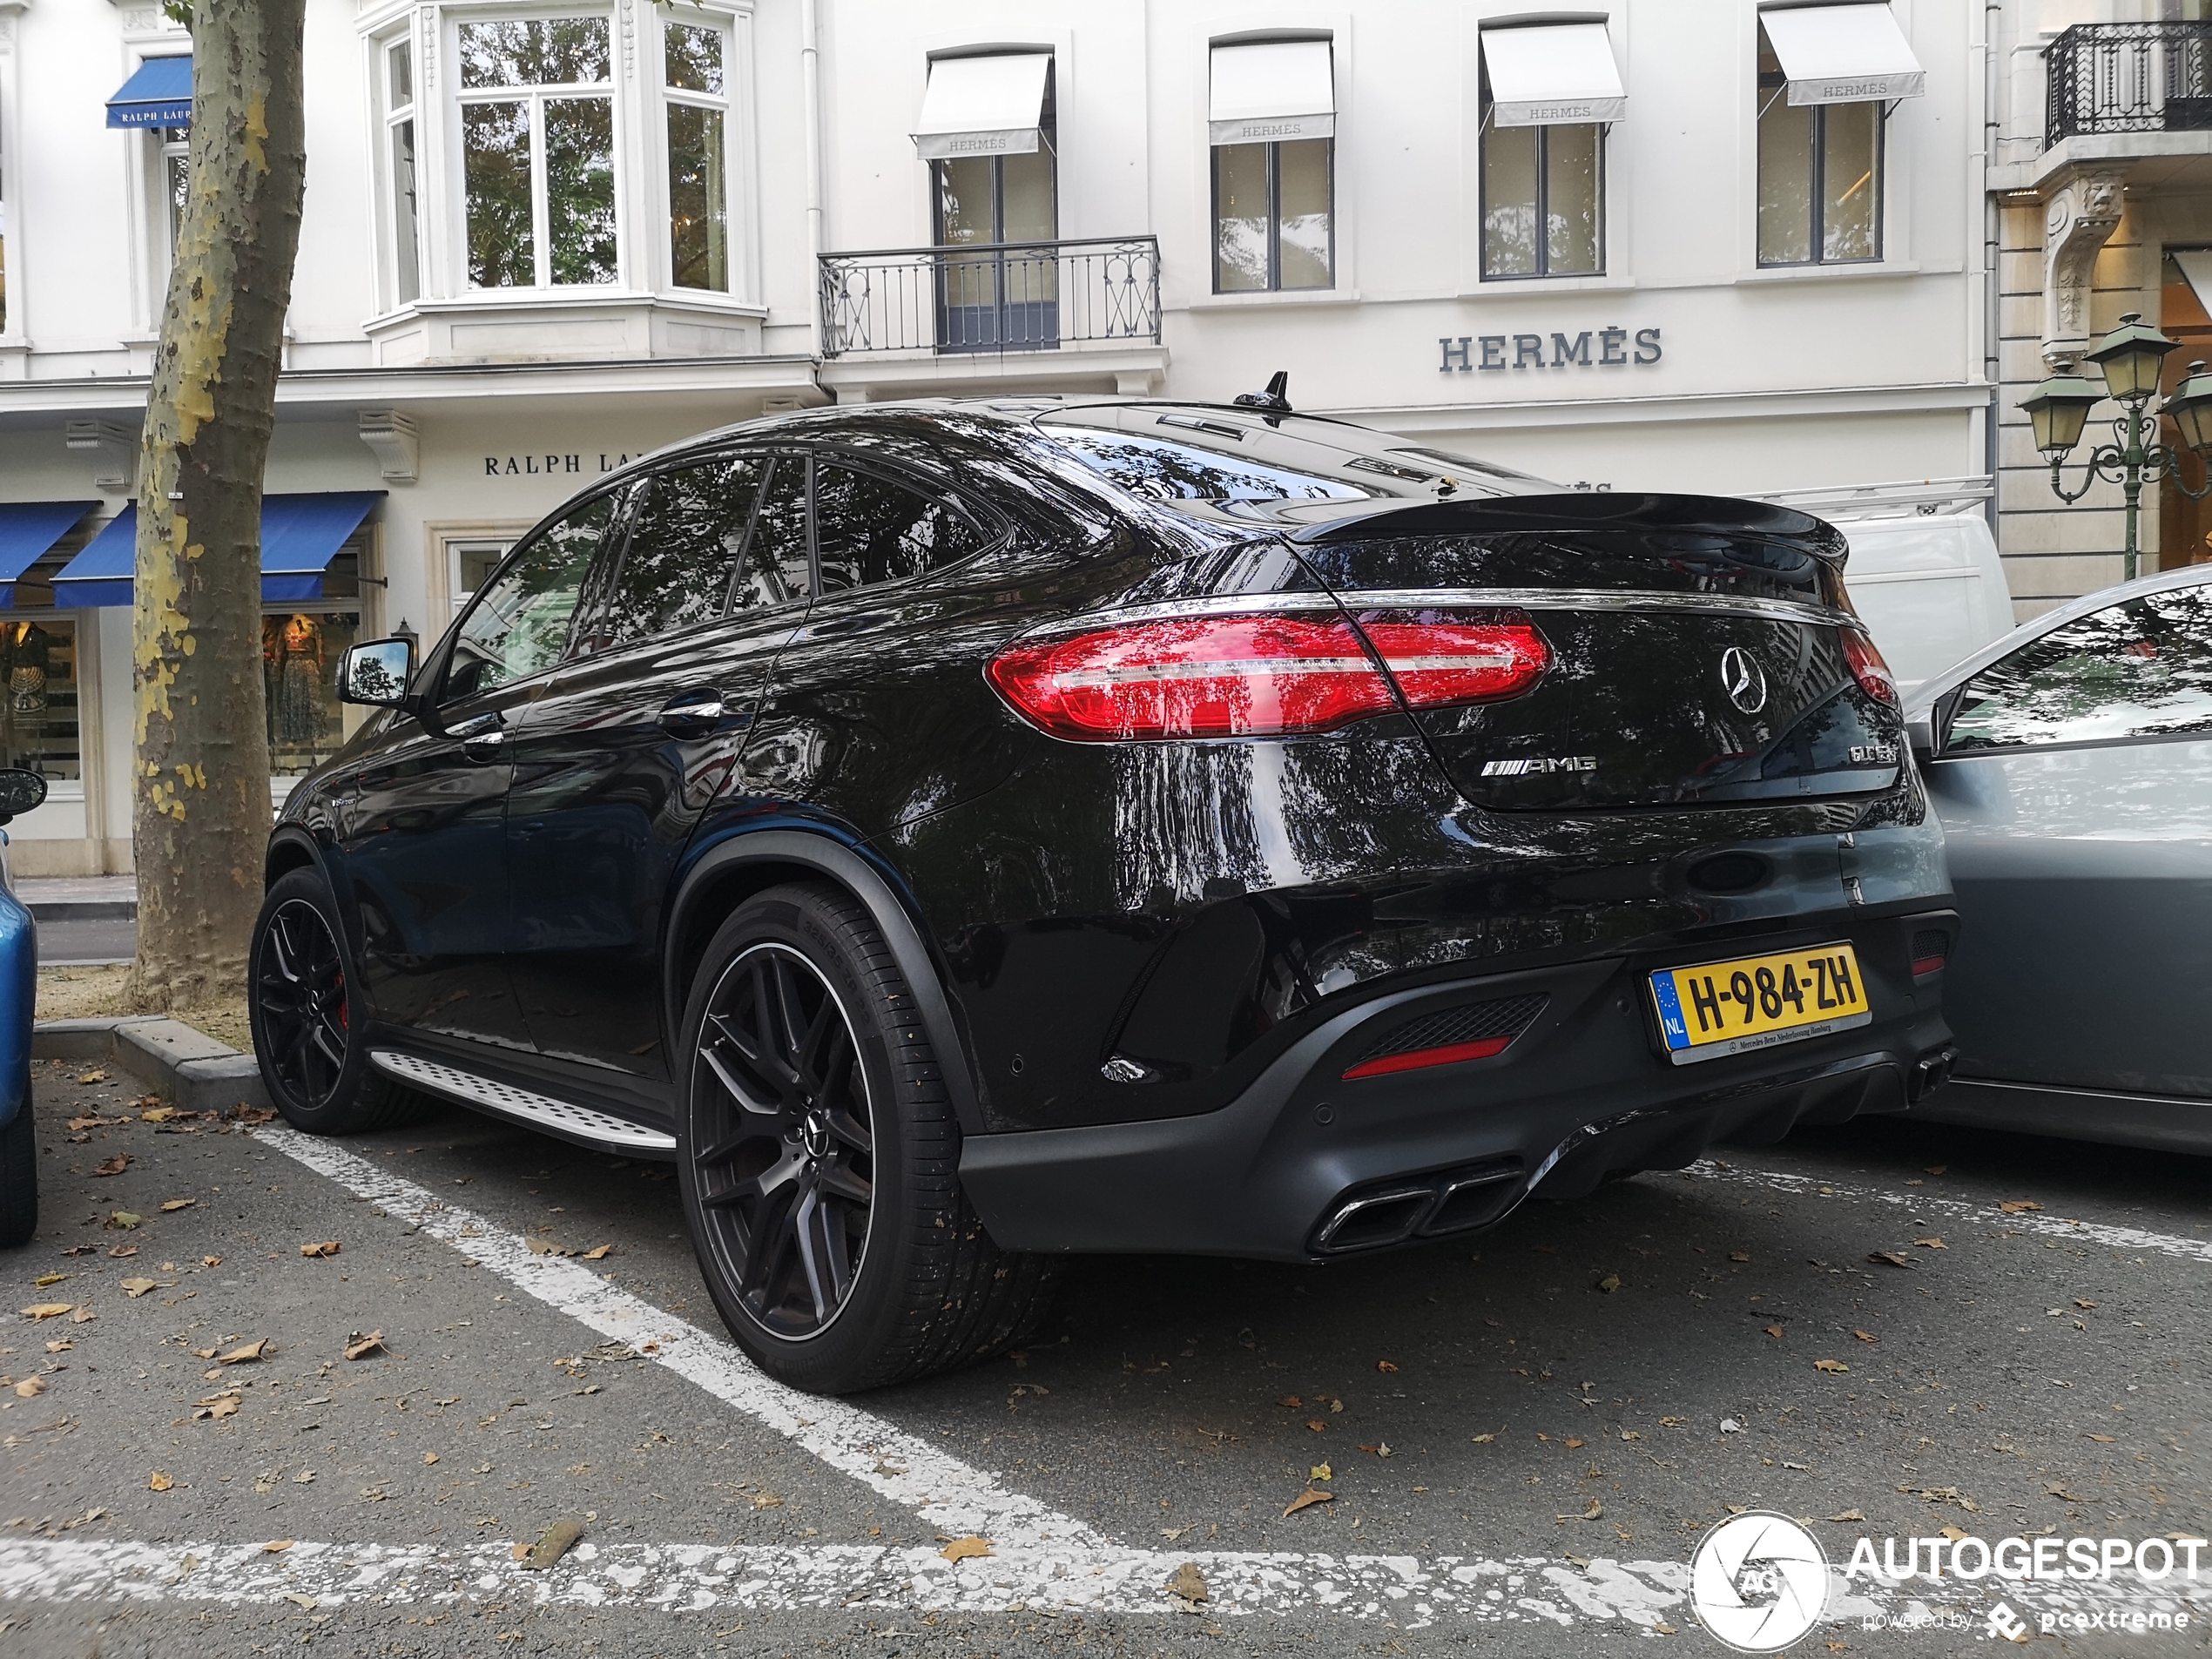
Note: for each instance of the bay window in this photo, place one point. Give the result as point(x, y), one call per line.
point(399, 138)
point(538, 151)
point(698, 189)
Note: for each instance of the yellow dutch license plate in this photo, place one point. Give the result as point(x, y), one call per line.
point(1717, 1009)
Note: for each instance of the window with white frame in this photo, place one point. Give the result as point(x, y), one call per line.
point(537, 144)
point(400, 130)
point(695, 62)
point(172, 157)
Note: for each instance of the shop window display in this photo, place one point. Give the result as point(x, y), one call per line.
point(300, 655)
point(38, 717)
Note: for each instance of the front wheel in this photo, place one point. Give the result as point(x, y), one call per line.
point(819, 1159)
point(308, 1017)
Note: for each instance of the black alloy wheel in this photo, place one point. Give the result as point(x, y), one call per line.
point(309, 1018)
point(299, 990)
point(786, 1169)
point(818, 1158)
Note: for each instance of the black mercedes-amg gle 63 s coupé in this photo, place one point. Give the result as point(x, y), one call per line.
point(959, 834)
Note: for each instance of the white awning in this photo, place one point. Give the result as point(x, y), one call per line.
point(982, 107)
point(1552, 75)
point(1843, 54)
point(1275, 90)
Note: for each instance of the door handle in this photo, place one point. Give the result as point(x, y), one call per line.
point(694, 714)
point(482, 739)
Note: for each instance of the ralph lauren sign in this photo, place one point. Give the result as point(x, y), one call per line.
point(1591, 348)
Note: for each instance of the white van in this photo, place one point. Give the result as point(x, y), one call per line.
point(1924, 572)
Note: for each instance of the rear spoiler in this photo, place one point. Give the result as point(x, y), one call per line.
point(1573, 511)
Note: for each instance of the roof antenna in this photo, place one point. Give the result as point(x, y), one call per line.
point(1276, 399)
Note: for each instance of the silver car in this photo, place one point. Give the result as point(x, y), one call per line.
point(2071, 762)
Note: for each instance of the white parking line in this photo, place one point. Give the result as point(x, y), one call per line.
point(1403, 1591)
point(2135, 1240)
point(953, 1496)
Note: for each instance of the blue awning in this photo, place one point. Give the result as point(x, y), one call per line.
point(28, 529)
point(159, 95)
point(299, 537)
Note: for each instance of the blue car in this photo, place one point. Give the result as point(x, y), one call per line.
point(19, 791)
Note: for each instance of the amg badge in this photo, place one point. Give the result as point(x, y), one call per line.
point(1547, 763)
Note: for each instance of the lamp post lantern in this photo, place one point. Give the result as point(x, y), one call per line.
point(2128, 359)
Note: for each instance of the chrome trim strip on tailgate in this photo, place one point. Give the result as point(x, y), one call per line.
point(1233, 604)
point(523, 1106)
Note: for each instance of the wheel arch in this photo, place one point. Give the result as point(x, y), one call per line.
point(290, 849)
point(733, 870)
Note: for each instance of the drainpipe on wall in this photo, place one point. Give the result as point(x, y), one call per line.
point(1993, 256)
point(810, 64)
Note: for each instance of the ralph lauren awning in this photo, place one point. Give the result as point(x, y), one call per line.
point(158, 95)
point(1273, 90)
point(28, 531)
point(1552, 75)
point(299, 537)
point(1849, 54)
point(983, 106)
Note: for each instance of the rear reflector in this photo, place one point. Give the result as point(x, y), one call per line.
point(1450, 1055)
point(1930, 948)
point(1232, 676)
point(1867, 666)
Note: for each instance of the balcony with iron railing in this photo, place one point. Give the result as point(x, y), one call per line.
point(991, 299)
point(2113, 78)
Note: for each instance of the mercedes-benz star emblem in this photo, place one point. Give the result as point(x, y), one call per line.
point(1743, 679)
point(1758, 1581)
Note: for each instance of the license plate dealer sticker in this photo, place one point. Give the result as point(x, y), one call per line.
point(1717, 1009)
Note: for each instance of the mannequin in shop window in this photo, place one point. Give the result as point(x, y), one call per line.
point(292, 656)
point(30, 651)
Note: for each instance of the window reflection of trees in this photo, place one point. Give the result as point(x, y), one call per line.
point(1168, 471)
point(520, 624)
point(2140, 669)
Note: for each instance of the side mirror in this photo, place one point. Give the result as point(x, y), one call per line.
point(376, 673)
point(20, 792)
point(1919, 732)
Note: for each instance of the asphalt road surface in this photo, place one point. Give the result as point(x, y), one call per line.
point(1522, 1437)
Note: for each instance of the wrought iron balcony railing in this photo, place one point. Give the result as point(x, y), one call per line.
point(2128, 77)
point(991, 298)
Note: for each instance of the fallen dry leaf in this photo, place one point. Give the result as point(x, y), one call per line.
point(1321, 1472)
point(1573, 1445)
point(44, 1279)
point(1955, 1534)
point(160, 1114)
point(115, 1165)
point(92, 1077)
point(62, 1347)
point(516, 1552)
point(598, 1253)
point(1774, 1330)
point(2084, 1306)
point(242, 1354)
point(1384, 1366)
point(217, 1406)
point(2057, 1489)
point(30, 1387)
point(553, 1543)
point(1937, 1168)
point(211, 1261)
point(122, 1221)
point(1307, 1500)
point(1187, 1583)
point(1848, 1514)
point(1931, 1244)
point(1379, 1448)
point(1739, 1255)
point(175, 1204)
point(2018, 1206)
point(546, 1244)
point(299, 1599)
point(276, 1546)
point(83, 1316)
point(242, 1113)
point(1888, 1257)
point(1829, 1365)
point(962, 1549)
point(1866, 1336)
point(135, 1288)
point(160, 1482)
point(1291, 1402)
point(1316, 1426)
point(47, 1310)
point(1609, 1284)
point(1483, 1439)
point(2101, 1440)
point(328, 1247)
point(359, 1346)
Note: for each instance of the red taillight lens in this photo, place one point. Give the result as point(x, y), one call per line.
point(1198, 676)
point(1440, 660)
point(1866, 664)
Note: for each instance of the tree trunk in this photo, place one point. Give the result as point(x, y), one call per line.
point(201, 808)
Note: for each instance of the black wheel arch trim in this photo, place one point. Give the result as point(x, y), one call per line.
point(867, 881)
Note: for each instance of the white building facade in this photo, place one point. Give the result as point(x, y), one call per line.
point(1692, 245)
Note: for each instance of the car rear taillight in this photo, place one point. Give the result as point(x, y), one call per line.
point(1234, 676)
point(1866, 664)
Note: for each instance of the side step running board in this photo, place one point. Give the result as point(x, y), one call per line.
point(559, 1117)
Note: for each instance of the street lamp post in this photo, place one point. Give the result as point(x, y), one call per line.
point(2129, 358)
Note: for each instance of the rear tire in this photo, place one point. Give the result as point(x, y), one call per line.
point(18, 1179)
point(819, 1159)
point(308, 1018)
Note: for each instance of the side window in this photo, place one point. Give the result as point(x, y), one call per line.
point(684, 547)
point(2141, 669)
point(519, 623)
point(775, 560)
point(868, 529)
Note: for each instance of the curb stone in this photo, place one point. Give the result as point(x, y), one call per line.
point(178, 1063)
